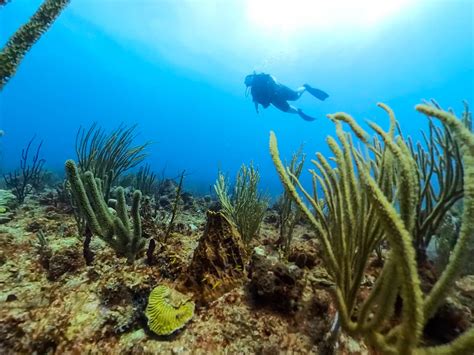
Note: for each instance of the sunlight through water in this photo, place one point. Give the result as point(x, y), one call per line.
point(290, 17)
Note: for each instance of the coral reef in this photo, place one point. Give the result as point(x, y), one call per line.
point(317, 289)
point(26, 36)
point(218, 264)
point(100, 308)
point(168, 310)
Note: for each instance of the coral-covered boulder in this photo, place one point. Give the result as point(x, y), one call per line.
point(218, 263)
point(465, 286)
point(65, 261)
point(8, 203)
point(7, 199)
point(304, 255)
point(275, 283)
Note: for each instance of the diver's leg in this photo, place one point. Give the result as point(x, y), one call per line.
point(300, 91)
point(304, 116)
point(286, 107)
point(293, 95)
point(282, 105)
point(292, 109)
point(285, 93)
point(300, 112)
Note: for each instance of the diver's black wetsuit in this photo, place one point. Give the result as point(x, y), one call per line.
point(263, 89)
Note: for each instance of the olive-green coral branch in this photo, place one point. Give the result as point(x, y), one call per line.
point(439, 166)
point(404, 253)
point(462, 345)
point(466, 138)
point(290, 188)
point(288, 212)
point(26, 36)
point(245, 206)
point(116, 230)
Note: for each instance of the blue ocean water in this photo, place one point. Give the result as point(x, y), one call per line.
point(177, 70)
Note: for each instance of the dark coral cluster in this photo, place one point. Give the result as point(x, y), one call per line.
point(275, 283)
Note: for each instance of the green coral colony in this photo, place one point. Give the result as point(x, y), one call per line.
point(168, 310)
point(384, 179)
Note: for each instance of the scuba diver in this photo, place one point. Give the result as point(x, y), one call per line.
point(266, 90)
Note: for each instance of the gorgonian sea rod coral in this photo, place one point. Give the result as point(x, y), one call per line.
point(382, 187)
point(26, 36)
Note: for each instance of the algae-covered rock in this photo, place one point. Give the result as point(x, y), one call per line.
point(275, 283)
point(8, 203)
point(7, 200)
point(64, 261)
point(465, 286)
point(168, 310)
point(304, 255)
point(5, 217)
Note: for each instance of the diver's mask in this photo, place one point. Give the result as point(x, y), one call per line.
point(249, 80)
point(248, 83)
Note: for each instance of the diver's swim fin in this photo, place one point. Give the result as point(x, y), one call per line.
point(319, 94)
point(304, 116)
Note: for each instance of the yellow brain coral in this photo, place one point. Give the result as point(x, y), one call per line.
point(168, 310)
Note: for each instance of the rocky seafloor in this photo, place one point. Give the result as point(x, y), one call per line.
point(52, 302)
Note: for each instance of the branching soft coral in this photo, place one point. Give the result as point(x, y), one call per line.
point(440, 170)
point(370, 197)
point(115, 228)
point(26, 36)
